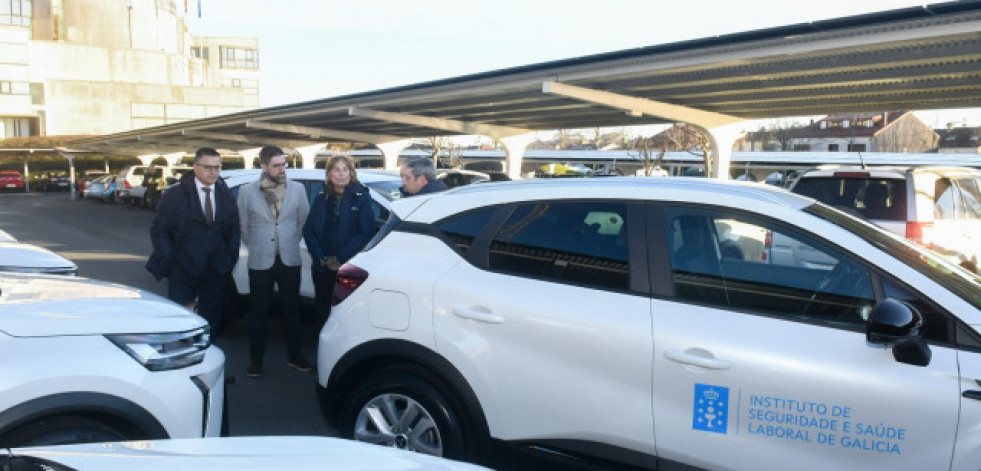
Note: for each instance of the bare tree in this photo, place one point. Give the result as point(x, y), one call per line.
point(437, 144)
point(679, 137)
point(783, 131)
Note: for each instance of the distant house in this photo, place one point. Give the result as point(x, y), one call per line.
point(892, 131)
point(960, 141)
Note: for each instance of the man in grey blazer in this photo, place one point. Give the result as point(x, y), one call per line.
point(272, 212)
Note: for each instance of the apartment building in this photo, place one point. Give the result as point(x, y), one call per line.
point(72, 67)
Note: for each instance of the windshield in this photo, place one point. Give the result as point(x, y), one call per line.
point(872, 198)
point(959, 281)
point(387, 188)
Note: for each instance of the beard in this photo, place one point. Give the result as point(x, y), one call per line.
point(278, 180)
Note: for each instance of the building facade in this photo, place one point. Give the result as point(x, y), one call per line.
point(892, 131)
point(73, 67)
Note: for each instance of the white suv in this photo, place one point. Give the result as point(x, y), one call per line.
point(87, 361)
point(938, 207)
point(609, 322)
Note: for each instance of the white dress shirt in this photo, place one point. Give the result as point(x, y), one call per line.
point(200, 187)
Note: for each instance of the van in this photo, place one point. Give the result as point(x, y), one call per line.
point(938, 207)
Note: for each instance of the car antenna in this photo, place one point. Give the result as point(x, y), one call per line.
point(860, 159)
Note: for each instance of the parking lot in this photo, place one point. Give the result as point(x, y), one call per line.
point(111, 243)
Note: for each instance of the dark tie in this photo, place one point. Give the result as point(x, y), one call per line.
point(209, 212)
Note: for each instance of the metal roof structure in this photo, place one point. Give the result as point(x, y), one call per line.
point(914, 58)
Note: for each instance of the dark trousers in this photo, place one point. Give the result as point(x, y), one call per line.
point(323, 287)
point(261, 284)
point(208, 291)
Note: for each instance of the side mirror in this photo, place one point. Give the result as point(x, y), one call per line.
point(895, 324)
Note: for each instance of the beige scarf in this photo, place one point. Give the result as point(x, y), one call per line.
point(274, 191)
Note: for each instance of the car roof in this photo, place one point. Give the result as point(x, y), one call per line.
point(884, 171)
point(240, 176)
point(429, 208)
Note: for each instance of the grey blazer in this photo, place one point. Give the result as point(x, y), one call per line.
point(265, 236)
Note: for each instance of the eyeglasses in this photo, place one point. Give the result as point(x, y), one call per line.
point(282, 165)
point(210, 168)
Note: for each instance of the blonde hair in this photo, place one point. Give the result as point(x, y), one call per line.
point(328, 186)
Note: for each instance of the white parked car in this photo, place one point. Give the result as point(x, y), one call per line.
point(92, 361)
point(633, 322)
point(129, 181)
point(384, 187)
point(938, 207)
point(19, 257)
point(274, 453)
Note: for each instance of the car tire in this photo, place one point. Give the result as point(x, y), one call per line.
point(62, 430)
point(438, 429)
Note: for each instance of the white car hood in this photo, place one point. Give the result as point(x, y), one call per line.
point(20, 255)
point(52, 305)
point(241, 454)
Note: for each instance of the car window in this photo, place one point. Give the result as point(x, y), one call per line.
point(946, 200)
point(971, 197)
point(389, 189)
point(871, 198)
point(583, 243)
point(462, 229)
point(727, 260)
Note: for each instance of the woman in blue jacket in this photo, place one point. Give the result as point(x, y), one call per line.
point(340, 224)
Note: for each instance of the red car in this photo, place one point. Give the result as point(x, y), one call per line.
point(10, 180)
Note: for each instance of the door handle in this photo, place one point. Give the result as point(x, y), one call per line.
point(697, 360)
point(972, 394)
point(477, 313)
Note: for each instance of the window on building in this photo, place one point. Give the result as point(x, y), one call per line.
point(200, 52)
point(856, 147)
point(824, 125)
point(239, 58)
point(14, 88)
point(15, 12)
point(802, 147)
point(845, 123)
point(16, 127)
point(832, 147)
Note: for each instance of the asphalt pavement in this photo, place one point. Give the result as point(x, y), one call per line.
point(111, 243)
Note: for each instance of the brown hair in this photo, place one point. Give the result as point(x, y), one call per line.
point(328, 186)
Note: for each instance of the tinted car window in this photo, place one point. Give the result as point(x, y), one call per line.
point(872, 198)
point(945, 203)
point(462, 229)
point(387, 188)
point(580, 243)
point(972, 197)
point(727, 260)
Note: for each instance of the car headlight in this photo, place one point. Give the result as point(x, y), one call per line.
point(158, 352)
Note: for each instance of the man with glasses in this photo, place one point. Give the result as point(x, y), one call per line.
point(196, 237)
point(273, 211)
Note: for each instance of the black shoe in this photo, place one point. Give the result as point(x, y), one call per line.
point(255, 370)
point(299, 364)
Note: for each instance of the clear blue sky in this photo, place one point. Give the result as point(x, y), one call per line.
point(312, 49)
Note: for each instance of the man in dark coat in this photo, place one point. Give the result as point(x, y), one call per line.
point(419, 177)
point(196, 237)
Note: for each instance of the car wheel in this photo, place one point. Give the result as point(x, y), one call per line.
point(400, 409)
point(62, 430)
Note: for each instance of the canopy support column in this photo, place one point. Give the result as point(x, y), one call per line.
point(514, 150)
point(390, 152)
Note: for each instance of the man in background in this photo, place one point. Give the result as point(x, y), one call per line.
point(273, 210)
point(196, 237)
